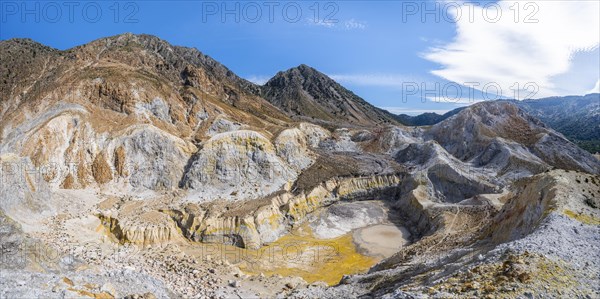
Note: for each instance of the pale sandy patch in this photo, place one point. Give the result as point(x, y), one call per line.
point(382, 240)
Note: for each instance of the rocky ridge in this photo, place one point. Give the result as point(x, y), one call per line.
point(312, 96)
point(131, 142)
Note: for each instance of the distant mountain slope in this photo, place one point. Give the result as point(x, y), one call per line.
point(426, 119)
point(499, 134)
point(576, 117)
point(308, 94)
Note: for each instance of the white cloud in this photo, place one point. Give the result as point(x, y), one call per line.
point(596, 88)
point(508, 52)
point(413, 111)
point(351, 24)
point(354, 24)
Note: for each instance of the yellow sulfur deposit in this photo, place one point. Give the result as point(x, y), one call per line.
point(582, 217)
point(302, 254)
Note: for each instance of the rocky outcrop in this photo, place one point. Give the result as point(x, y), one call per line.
point(443, 177)
point(532, 199)
point(149, 228)
point(510, 160)
point(392, 139)
point(71, 150)
point(11, 241)
point(240, 163)
point(340, 141)
point(222, 125)
point(101, 169)
point(254, 223)
point(537, 218)
point(153, 159)
point(24, 192)
point(506, 130)
point(293, 146)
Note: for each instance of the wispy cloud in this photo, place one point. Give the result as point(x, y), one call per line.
point(354, 24)
point(413, 111)
point(351, 24)
point(381, 80)
point(462, 101)
point(596, 88)
point(508, 52)
point(322, 23)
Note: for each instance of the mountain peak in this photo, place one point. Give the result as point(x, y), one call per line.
point(133, 42)
point(309, 71)
point(299, 74)
point(23, 43)
point(304, 67)
point(307, 93)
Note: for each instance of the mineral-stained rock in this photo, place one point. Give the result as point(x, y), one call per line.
point(292, 145)
point(101, 170)
point(140, 227)
point(469, 133)
point(444, 177)
point(222, 125)
point(239, 163)
point(167, 146)
point(154, 159)
point(23, 191)
point(253, 223)
point(71, 154)
point(120, 161)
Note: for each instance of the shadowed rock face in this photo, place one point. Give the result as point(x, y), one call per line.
point(446, 178)
point(11, 238)
point(453, 186)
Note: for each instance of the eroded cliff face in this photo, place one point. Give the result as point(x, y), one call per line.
point(249, 224)
point(125, 112)
point(74, 155)
point(25, 195)
point(503, 133)
point(149, 228)
point(243, 163)
point(142, 143)
point(135, 113)
point(508, 244)
point(277, 184)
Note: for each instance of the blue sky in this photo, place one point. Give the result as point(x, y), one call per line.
point(392, 53)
